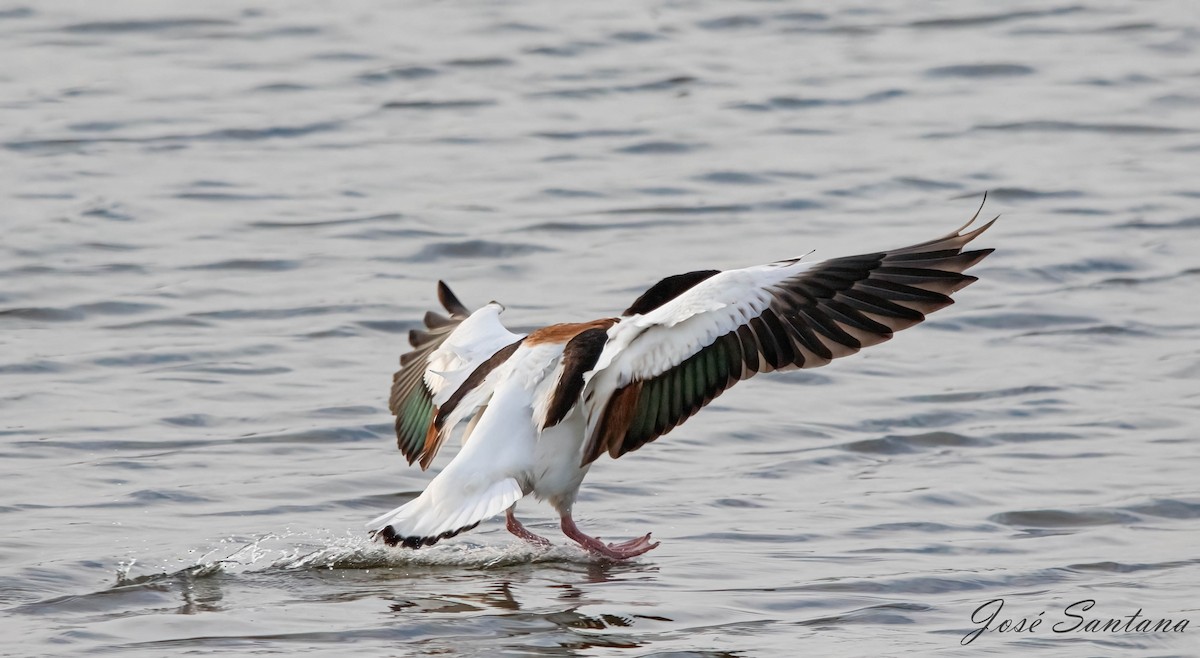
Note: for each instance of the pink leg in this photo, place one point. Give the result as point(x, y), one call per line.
point(622, 551)
point(514, 526)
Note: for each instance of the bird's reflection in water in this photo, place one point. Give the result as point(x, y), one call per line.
point(563, 602)
point(200, 595)
point(536, 594)
point(497, 596)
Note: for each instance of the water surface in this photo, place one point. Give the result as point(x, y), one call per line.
point(221, 219)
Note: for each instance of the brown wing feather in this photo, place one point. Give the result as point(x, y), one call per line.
point(579, 356)
point(829, 311)
point(411, 401)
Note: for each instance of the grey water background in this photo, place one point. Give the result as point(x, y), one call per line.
point(220, 219)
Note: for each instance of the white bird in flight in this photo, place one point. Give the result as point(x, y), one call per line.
point(544, 406)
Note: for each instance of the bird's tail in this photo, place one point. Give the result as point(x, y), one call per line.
point(444, 511)
point(480, 482)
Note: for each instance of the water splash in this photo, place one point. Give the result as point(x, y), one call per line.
point(324, 550)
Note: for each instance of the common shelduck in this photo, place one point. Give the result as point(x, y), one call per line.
point(544, 406)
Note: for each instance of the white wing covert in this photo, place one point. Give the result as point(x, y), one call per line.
point(444, 357)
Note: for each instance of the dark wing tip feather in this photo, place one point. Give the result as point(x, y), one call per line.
point(959, 230)
point(418, 338)
point(450, 301)
point(979, 231)
point(437, 320)
point(972, 258)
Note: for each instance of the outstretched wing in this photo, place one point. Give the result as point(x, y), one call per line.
point(701, 333)
point(443, 357)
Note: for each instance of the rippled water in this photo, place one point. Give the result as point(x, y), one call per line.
point(220, 219)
